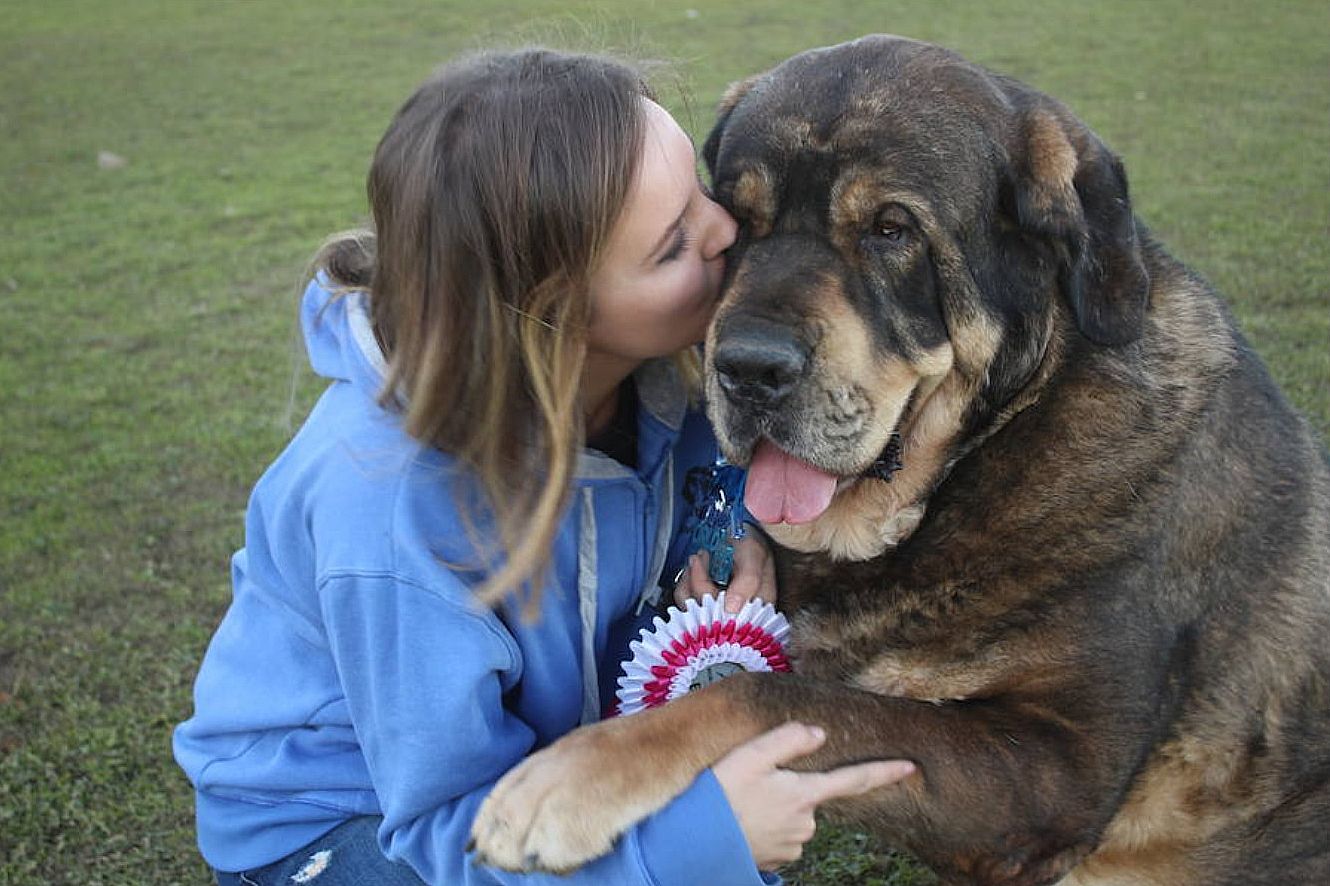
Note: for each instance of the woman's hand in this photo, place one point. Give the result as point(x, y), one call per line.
point(775, 806)
point(754, 575)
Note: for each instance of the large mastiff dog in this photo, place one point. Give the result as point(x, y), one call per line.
point(1093, 604)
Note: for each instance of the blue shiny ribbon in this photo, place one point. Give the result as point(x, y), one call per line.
point(723, 523)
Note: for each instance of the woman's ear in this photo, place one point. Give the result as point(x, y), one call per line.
point(734, 93)
point(1069, 187)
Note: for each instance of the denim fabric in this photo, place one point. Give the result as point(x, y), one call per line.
point(348, 855)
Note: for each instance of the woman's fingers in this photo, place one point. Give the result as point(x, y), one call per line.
point(746, 580)
point(769, 577)
point(773, 805)
point(781, 745)
point(754, 573)
point(849, 781)
point(790, 741)
point(699, 575)
point(694, 581)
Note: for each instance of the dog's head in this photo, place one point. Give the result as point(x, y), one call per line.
point(913, 230)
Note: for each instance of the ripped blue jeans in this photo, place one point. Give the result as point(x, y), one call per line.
point(348, 855)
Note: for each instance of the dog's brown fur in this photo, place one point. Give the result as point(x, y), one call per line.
point(1094, 604)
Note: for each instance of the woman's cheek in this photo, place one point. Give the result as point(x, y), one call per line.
point(680, 296)
point(704, 285)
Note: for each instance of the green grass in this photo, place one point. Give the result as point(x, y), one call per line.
point(148, 371)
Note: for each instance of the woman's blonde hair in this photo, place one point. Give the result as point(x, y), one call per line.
point(493, 194)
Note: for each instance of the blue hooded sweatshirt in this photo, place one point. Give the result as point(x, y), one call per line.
point(354, 673)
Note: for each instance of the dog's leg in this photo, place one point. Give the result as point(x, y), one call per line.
point(1003, 794)
point(566, 804)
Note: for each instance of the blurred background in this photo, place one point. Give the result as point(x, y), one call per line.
point(167, 168)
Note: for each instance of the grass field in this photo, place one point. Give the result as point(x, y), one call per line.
point(149, 372)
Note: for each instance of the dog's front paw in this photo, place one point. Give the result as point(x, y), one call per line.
point(540, 818)
point(567, 804)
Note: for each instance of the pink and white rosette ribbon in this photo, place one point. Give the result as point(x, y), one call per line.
point(697, 645)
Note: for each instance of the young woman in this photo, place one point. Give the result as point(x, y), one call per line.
point(443, 568)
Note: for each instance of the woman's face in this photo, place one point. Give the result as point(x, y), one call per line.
point(658, 281)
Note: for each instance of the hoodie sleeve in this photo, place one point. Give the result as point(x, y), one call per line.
point(424, 677)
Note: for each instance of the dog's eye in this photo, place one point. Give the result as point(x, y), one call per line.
point(892, 225)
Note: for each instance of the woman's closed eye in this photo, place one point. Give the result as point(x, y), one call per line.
point(682, 241)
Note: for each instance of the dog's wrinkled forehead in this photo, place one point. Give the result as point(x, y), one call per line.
point(932, 120)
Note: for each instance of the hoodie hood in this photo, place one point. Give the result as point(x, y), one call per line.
point(341, 346)
point(339, 338)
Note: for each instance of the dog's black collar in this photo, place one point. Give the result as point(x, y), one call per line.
point(888, 463)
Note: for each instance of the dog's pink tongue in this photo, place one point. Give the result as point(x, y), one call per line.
point(781, 488)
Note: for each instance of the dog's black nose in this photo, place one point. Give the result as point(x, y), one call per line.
point(759, 363)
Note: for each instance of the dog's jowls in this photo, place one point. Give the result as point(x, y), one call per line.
point(1093, 605)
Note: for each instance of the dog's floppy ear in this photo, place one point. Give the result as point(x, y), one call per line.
point(1070, 187)
point(734, 93)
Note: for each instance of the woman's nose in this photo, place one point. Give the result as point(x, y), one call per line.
point(720, 230)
